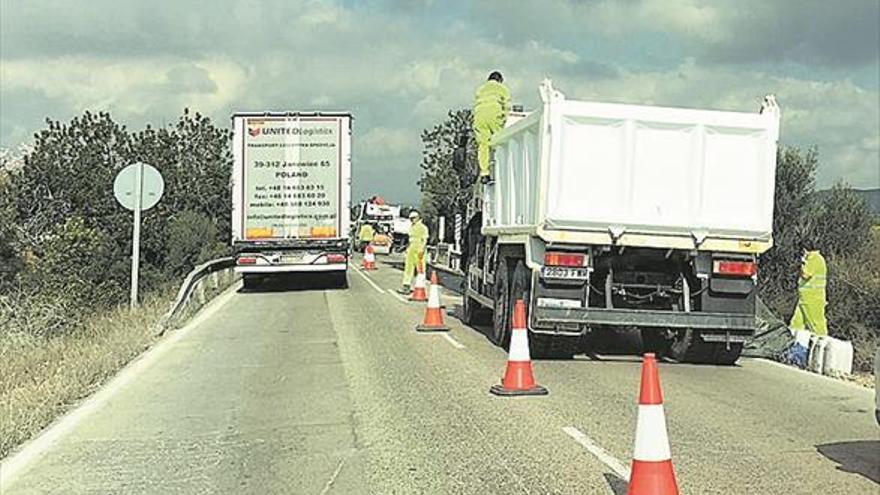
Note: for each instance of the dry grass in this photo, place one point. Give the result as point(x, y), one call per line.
point(43, 377)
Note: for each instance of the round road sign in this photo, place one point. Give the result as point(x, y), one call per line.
point(152, 186)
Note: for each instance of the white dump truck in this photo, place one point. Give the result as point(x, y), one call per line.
point(291, 193)
point(605, 216)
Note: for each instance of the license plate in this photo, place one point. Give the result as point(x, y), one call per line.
point(563, 272)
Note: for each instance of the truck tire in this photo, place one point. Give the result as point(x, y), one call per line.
point(541, 346)
point(340, 280)
point(688, 347)
point(473, 313)
point(654, 340)
point(500, 335)
point(552, 347)
point(249, 282)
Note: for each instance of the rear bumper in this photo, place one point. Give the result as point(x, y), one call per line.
point(335, 267)
point(547, 320)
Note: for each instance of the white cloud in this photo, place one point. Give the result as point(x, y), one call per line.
point(136, 86)
point(399, 70)
point(841, 118)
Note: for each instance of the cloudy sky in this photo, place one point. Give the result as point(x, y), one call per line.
point(400, 65)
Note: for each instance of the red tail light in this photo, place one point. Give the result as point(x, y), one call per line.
point(335, 258)
point(565, 259)
point(736, 268)
point(247, 261)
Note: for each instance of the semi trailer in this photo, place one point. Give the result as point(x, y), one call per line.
point(612, 216)
point(291, 194)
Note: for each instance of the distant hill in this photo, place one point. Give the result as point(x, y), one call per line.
point(871, 197)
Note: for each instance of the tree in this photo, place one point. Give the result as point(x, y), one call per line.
point(196, 163)
point(447, 184)
point(792, 213)
point(68, 176)
point(842, 224)
point(839, 223)
point(192, 239)
point(9, 263)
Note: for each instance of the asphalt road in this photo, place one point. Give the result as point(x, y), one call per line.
point(315, 391)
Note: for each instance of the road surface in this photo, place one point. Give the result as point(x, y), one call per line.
point(333, 392)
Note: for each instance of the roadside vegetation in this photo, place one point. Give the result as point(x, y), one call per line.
point(838, 219)
point(65, 249)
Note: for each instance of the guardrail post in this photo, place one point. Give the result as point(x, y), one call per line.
point(200, 293)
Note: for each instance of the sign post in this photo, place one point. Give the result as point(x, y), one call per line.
point(137, 187)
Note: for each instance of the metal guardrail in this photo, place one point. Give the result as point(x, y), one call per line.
point(210, 271)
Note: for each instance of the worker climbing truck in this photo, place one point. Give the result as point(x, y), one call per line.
point(291, 194)
point(611, 216)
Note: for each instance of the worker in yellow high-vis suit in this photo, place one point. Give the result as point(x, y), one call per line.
point(365, 236)
point(809, 314)
point(491, 107)
point(415, 251)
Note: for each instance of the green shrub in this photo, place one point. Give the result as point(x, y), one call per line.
point(191, 238)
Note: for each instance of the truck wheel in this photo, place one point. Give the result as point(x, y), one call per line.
point(340, 280)
point(501, 319)
point(249, 282)
point(473, 313)
point(654, 340)
point(552, 346)
point(540, 346)
point(726, 356)
point(688, 347)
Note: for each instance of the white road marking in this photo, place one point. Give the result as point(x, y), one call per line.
point(365, 277)
point(333, 477)
point(592, 447)
point(398, 296)
point(451, 340)
point(13, 465)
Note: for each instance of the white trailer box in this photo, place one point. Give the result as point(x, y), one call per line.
point(291, 191)
point(635, 175)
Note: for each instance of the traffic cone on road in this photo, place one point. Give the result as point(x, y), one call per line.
point(652, 472)
point(433, 321)
point(519, 379)
point(369, 258)
point(419, 294)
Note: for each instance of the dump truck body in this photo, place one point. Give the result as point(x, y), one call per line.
point(609, 215)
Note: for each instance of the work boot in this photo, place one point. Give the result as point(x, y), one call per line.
point(404, 289)
point(485, 180)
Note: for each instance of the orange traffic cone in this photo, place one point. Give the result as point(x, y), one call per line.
point(369, 258)
point(433, 321)
point(418, 293)
point(652, 472)
point(518, 379)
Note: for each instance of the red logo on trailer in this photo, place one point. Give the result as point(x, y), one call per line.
point(254, 131)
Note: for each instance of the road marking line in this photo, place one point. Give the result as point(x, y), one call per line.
point(451, 340)
point(13, 465)
point(398, 296)
point(333, 477)
point(592, 447)
point(365, 277)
